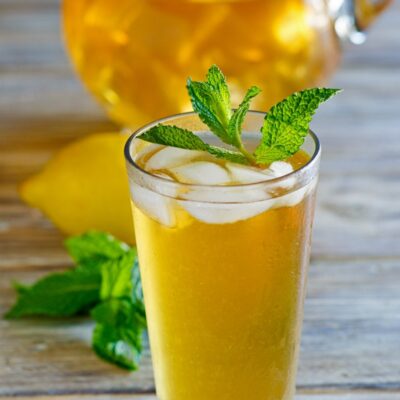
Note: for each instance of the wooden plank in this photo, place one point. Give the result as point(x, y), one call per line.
point(351, 339)
point(352, 324)
point(300, 396)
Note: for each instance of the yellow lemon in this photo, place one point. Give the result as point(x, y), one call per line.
point(85, 187)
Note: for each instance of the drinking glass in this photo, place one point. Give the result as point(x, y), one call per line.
point(224, 273)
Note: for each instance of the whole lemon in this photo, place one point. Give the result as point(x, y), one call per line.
point(85, 186)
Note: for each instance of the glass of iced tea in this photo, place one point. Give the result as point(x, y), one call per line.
point(223, 251)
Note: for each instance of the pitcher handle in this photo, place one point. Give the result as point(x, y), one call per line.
point(353, 17)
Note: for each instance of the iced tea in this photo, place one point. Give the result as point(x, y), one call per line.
point(223, 251)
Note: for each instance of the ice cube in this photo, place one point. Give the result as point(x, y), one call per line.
point(278, 169)
point(201, 172)
point(171, 157)
point(245, 174)
point(155, 205)
point(294, 198)
point(291, 199)
point(140, 148)
point(220, 213)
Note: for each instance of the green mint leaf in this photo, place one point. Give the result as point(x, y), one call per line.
point(236, 121)
point(170, 135)
point(227, 155)
point(287, 122)
point(58, 295)
point(94, 247)
point(211, 100)
point(116, 276)
point(221, 95)
point(117, 337)
point(119, 312)
point(113, 344)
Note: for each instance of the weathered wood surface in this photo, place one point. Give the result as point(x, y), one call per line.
point(305, 396)
point(351, 338)
point(351, 341)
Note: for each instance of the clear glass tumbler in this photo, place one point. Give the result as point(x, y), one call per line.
point(224, 273)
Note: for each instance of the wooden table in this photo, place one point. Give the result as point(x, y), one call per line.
point(351, 339)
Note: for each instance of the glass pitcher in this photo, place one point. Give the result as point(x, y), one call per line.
point(134, 54)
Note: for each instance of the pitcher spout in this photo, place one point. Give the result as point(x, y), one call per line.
point(353, 17)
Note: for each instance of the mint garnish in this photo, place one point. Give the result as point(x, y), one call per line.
point(285, 127)
point(106, 283)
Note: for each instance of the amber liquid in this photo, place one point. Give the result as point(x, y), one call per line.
point(135, 55)
point(224, 302)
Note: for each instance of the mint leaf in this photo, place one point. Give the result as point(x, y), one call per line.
point(117, 336)
point(286, 124)
point(171, 135)
point(220, 91)
point(119, 312)
point(58, 295)
point(94, 247)
point(228, 155)
point(236, 122)
point(211, 100)
point(117, 276)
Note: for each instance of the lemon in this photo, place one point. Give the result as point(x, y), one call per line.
point(85, 187)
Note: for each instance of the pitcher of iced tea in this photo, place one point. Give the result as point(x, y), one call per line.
point(133, 54)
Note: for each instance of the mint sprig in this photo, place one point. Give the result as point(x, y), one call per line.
point(285, 126)
point(105, 283)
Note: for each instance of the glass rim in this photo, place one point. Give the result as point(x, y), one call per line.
point(303, 169)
